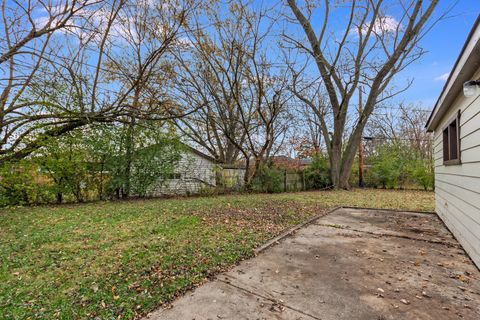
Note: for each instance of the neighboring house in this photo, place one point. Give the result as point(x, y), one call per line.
point(197, 171)
point(289, 163)
point(455, 121)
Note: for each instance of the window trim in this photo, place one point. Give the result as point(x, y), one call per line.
point(458, 160)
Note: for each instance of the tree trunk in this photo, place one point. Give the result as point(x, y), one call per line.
point(341, 167)
point(349, 153)
point(335, 155)
point(400, 55)
point(247, 183)
point(128, 160)
point(100, 189)
point(344, 176)
point(251, 173)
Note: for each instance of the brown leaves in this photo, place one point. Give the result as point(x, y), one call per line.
point(114, 294)
point(270, 218)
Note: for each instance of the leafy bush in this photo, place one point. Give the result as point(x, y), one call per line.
point(20, 185)
point(317, 176)
point(423, 174)
point(86, 164)
point(269, 180)
point(153, 154)
point(149, 164)
point(64, 162)
point(386, 169)
point(396, 165)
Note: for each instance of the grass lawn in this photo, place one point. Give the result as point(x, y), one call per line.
point(123, 259)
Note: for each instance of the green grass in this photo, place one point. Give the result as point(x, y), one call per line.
point(124, 259)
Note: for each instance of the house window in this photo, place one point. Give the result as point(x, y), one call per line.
point(451, 141)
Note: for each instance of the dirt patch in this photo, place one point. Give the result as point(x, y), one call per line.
point(384, 222)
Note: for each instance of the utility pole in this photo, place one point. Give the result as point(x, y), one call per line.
point(361, 183)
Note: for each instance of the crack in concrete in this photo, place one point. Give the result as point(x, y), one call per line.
point(292, 230)
point(445, 243)
point(275, 301)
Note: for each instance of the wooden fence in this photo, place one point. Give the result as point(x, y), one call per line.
point(294, 181)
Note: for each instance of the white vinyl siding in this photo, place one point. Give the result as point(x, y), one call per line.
point(457, 187)
point(193, 173)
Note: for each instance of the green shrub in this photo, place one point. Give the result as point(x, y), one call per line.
point(386, 169)
point(317, 176)
point(153, 162)
point(19, 185)
point(64, 162)
point(398, 166)
point(153, 155)
point(268, 180)
point(423, 174)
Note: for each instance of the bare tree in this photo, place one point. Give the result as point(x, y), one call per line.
point(211, 75)
point(403, 124)
point(26, 32)
point(25, 22)
point(103, 63)
point(311, 129)
point(228, 71)
point(145, 34)
point(372, 49)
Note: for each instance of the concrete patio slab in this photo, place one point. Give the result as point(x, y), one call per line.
point(393, 223)
point(218, 300)
point(350, 264)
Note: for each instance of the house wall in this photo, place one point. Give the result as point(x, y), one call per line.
point(457, 187)
point(195, 172)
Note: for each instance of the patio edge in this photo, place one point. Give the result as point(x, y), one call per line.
point(287, 233)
